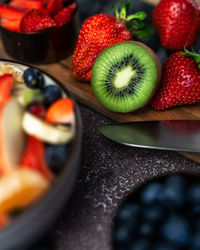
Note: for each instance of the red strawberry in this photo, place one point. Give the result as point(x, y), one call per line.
point(34, 157)
point(65, 15)
point(181, 81)
point(27, 5)
point(177, 23)
point(99, 32)
point(6, 82)
point(34, 21)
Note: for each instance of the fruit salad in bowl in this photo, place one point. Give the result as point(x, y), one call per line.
point(39, 152)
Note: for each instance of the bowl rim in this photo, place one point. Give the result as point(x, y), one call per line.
point(69, 173)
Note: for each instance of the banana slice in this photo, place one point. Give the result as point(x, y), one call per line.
point(46, 132)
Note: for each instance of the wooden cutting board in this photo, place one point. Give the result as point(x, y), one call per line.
point(82, 92)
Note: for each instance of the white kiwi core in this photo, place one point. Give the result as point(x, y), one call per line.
point(123, 77)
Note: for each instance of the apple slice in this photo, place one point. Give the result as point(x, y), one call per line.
point(20, 188)
point(46, 132)
point(12, 136)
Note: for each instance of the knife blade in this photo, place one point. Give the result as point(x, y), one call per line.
point(181, 135)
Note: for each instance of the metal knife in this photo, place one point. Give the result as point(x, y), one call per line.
point(181, 135)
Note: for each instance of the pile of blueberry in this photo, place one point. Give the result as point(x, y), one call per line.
point(163, 215)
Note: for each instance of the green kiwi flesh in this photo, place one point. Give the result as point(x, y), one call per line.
point(125, 76)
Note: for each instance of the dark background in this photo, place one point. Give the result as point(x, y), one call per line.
point(108, 171)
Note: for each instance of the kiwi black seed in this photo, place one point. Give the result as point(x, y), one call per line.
point(125, 76)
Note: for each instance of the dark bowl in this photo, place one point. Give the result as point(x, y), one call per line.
point(174, 200)
point(36, 220)
point(43, 47)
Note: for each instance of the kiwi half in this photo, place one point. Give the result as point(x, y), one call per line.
point(125, 76)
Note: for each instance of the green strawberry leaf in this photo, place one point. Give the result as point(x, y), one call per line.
point(141, 15)
point(192, 54)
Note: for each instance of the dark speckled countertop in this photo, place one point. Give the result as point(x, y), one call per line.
point(108, 172)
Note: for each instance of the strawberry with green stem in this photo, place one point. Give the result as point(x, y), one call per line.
point(101, 31)
point(181, 81)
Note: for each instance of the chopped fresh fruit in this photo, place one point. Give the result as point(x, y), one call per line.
point(11, 134)
point(64, 16)
point(10, 17)
point(34, 157)
point(180, 83)
point(6, 82)
point(46, 132)
point(35, 20)
point(33, 78)
point(20, 188)
point(37, 109)
point(33, 96)
point(177, 23)
point(61, 111)
point(100, 32)
point(11, 24)
point(17, 73)
point(51, 94)
point(7, 12)
point(26, 5)
point(4, 220)
point(125, 76)
point(54, 6)
point(56, 156)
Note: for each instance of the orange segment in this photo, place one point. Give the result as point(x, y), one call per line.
point(20, 188)
point(61, 111)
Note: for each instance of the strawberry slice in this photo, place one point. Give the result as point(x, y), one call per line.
point(64, 16)
point(54, 6)
point(10, 12)
point(6, 82)
point(34, 157)
point(4, 219)
point(35, 20)
point(10, 17)
point(61, 111)
point(27, 5)
point(11, 24)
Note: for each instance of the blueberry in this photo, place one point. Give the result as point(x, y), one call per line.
point(176, 180)
point(122, 234)
point(176, 230)
point(194, 194)
point(140, 244)
point(51, 94)
point(146, 229)
point(33, 78)
point(164, 246)
point(153, 213)
point(56, 156)
point(128, 212)
point(173, 196)
point(151, 193)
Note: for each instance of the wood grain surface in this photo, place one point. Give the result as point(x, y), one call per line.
point(82, 92)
